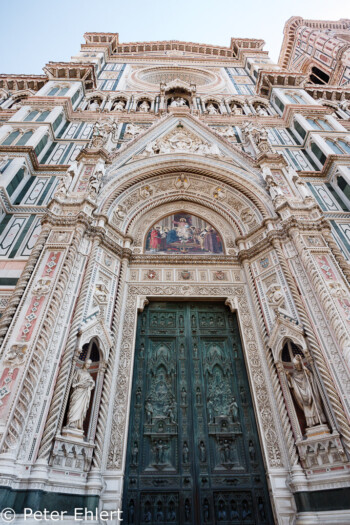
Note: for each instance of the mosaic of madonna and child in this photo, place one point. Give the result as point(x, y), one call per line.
point(183, 233)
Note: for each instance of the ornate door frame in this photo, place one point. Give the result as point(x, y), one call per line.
point(237, 297)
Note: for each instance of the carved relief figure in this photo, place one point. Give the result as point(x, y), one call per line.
point(79, 401)
point(305, 391)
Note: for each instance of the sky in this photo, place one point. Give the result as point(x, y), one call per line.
point(34, 32)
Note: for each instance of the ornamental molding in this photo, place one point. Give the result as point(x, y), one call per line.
point(236, 296)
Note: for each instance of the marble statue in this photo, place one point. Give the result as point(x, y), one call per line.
point(305, 391)
point(236, 110)
point(262, 111)
point(94, 105)
point(144, 107)
point(119, 105)
point(211, 109)
point(178, 102)
point(82, 386)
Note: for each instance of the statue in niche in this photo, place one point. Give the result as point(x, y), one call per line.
point(233, 410)
point(236, 110)
point(234, 514)
point(185, 453)
point(246, 512)
point(211, 411)
point(171, 512)
point(82, 386)
point(160, 451)
point(305, 391)
point(178, 102)
point(144, 107)
point(206, 510)
point(202, 452)
point(262, 111)
point(131, 511)
point(149, 412)
point(225, 450)
point(187, 510)
point(222, 514)
point(211, 109)
point(119, 106)
point(183, 396)
point(252, 453)
point(171, 412)
point(135, 453)
point(160, 513)
point(94, 105)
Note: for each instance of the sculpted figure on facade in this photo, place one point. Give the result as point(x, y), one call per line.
point(119, 105)
point(144, 107)
point(211, 109)
point(178, 102)
point(236, 110)
point(305, 392)
point(79, 401)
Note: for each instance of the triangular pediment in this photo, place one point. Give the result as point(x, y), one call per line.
point(180, 133)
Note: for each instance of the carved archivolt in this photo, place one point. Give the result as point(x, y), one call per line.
point(117, 441)
point(236, 209)
point(139, 228)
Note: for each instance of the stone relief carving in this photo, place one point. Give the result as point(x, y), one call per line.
point(16, 355)
point(181, 140)
point(264, 409)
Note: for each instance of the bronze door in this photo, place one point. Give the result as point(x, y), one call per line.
point(193, 449)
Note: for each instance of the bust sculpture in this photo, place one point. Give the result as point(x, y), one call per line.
point(79, 402)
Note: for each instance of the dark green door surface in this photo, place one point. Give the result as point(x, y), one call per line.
point(193, 449)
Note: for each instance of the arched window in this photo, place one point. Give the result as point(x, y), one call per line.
point(318, 76)
point(31, 116)
point(53, 92)
point(344, 146)
point(11, 138)
point(314, 124)
point(24, 138)
point(291, 99)
point(43, 116)
point(334, 147)
point(62, 92)
point(325, 125)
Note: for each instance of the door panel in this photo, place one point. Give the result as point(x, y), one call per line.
point(193, 449)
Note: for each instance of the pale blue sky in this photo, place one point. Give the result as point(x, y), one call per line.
point(34, 32)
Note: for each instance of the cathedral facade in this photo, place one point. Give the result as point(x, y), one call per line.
point(174, 283)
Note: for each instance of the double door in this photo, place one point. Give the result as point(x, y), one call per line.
point(193, 452)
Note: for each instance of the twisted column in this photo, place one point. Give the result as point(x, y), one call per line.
point(21, 285)
point(55, 415)
point(337, 253)
point(314, 346)
point(37, 359)
point(107, 384)
point(286, 425)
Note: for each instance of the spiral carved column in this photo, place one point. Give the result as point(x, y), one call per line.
point(55, 412)
point(107, 384)
point(287, 429)
point(22, 283)
point(314, 347)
